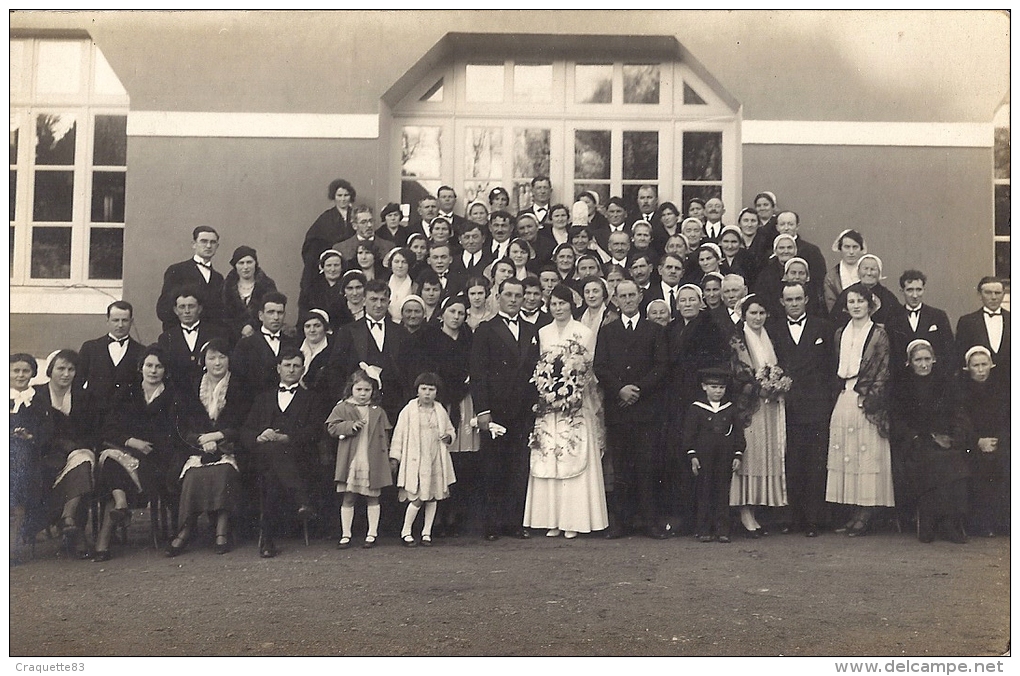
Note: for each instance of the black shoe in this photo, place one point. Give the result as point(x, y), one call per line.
point(344, 543)
point(706, 538)
point(268, 549)
point(173, 550)
point(408, 541)
point(426, 541)
point(522, 534)
point(370, 542)
point(753, 534)
point(859, 529)
point(222, 547)
point(101, 555)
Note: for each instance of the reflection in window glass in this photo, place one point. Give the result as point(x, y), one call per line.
point(108, 197)
point(702, 192)
point(1002, 152)
point(51, 253)
point(593, 83)
point(54, 139)
point(411, 191)
point(110, 149)
point(10, 259)
point(1002, 218)
point(702, 157)
point(592, 153)
point(531, 153)
point(14, 140)
point(14, 192)
point(640, 155)
point(483, 83)
point(434, 94)
point(58, 70)
point(421, 151)
point(478, 190)
point(520, 195)
point(641, 84)
point(106, 253)
point(1002, 260)
point(53, 200)
point(483, 152)
point(602, 189)
point(106, 81)
point(691, 97)
point(533, 83)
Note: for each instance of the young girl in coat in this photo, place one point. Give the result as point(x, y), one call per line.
point(360, 426)
point(420, 457)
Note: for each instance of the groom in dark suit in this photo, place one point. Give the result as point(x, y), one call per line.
point(109, 364)
point(183, 342)
point(503, 358)
point(804, 349)
point(198, 273)
point(916, 320)
point(631, 361)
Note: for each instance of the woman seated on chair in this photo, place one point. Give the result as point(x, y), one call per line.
point(68, 459)
point(140, 444)
point(212, 422)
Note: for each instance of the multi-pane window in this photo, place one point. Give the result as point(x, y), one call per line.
point(68, 163)
point(1002, 218)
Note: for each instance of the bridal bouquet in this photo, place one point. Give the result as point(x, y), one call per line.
point(772, 382)
point(561, 376)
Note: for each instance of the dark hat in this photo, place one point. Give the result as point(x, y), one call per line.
point(242, 251)
point(391, 208)
point(714, 376)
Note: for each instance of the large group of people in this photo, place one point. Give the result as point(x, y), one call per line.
point(617, 369)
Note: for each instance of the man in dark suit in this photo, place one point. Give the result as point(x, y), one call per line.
point(280, 433)
point(447, 199)
point(541, 194)
point(647, 203)
point(714, 210)
point(474, 259)
point(440, 259)
point(915, 320)
point(631, 361)
point(364, 233)
point(183, 343)
point(421, 220)
point(788, 223)
point(500, 235)
point(503, 357)
point(989, 326)
point(196, 272)
point(671, 271)
point(531, 307)
point(255, 357)
point(375, 340)
point(108, 365)
point(616, 215)
point(540, 240)
point(804, 346)
point(726, 316)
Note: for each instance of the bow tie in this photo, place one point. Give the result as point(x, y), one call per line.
point(291, 389)
point(996, 313)
point(510, 321)
point(271, 336)
point(204, 264)
point(120, 341)
point(796, 322)
point(528, 315)
point(193, 329)
point(375, 325)
point(915, 312)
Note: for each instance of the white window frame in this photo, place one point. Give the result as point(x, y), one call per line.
point(1001, 122)
point(77, 294)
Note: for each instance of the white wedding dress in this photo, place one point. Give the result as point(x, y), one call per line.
point(565, 489)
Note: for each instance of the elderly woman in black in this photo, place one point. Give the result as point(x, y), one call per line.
point(243, 289)
point(326, 290)
point(68, 460)
point(142, 440)
point(332, 225)
point(925, 422)
point(869, 269)
point(211, 424)
point(30, 430)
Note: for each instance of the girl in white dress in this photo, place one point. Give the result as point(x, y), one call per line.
point(566, 493)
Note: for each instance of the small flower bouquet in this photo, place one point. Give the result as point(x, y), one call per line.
point(772, 382)
point(560, 377)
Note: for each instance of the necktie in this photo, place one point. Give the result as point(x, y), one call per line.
point(796, 322)
point(631, 324)
point(672, 300)
point(996, 313)
point(291, 389)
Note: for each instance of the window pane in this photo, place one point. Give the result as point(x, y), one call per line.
point(51, 253)
point(691, 97)
point(59, 68)
point(483, 83)
point(54, 139)
point(14, 191)
point(106, 81)
point(1002, 152)
point(18, 80)
point(703, 192)
point(434, 94)
point(533, 83)
point(110, 141)
point(108, 196)
point(54, 196)
point(640, 155)
point(531, 153)
point(1002, 260)
point(483, 152)
point(1002, 219)
point(106, 249)
point(422, 153)
point(641, 84)
point(478, 190)
point(702, 156)
point(601, 188)
point(412, 191)
point(593, 83)
point(14, 140)
point(520, 195)
point(592, 153)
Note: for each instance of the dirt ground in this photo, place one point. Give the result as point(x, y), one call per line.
point(885, 594)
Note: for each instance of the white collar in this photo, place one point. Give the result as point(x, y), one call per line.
point(708, 407)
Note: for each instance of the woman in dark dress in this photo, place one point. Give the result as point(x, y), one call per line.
point(756, 243)
point(326, 290)
point(869, 269)
point(243, 289)
point(332, 225)
point(926, 425)
point(68, 460)
point(143, 444)
point(769, 285)
point(211, 423)
point(985, 408)
point(30, 431)
point(737, 260)
point(391, 229)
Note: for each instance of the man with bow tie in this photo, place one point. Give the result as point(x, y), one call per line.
point(440, 259)
point(421, 220)
point(196, 272)
point(254, 360)
point(916, 320)
point(183, 342)
point(541, 193)
point(447, 201)
point(647, 204)
point(503, 357)
point(474, 259)
point(109, 364)
point(805, 350)
point(989, 326)
point(531, 306)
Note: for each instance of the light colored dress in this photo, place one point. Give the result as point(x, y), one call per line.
point(859, 462)
point(761, 479)
point(566, 489)
point(426, 469)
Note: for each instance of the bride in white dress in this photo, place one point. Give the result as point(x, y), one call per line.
point(566, 493)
